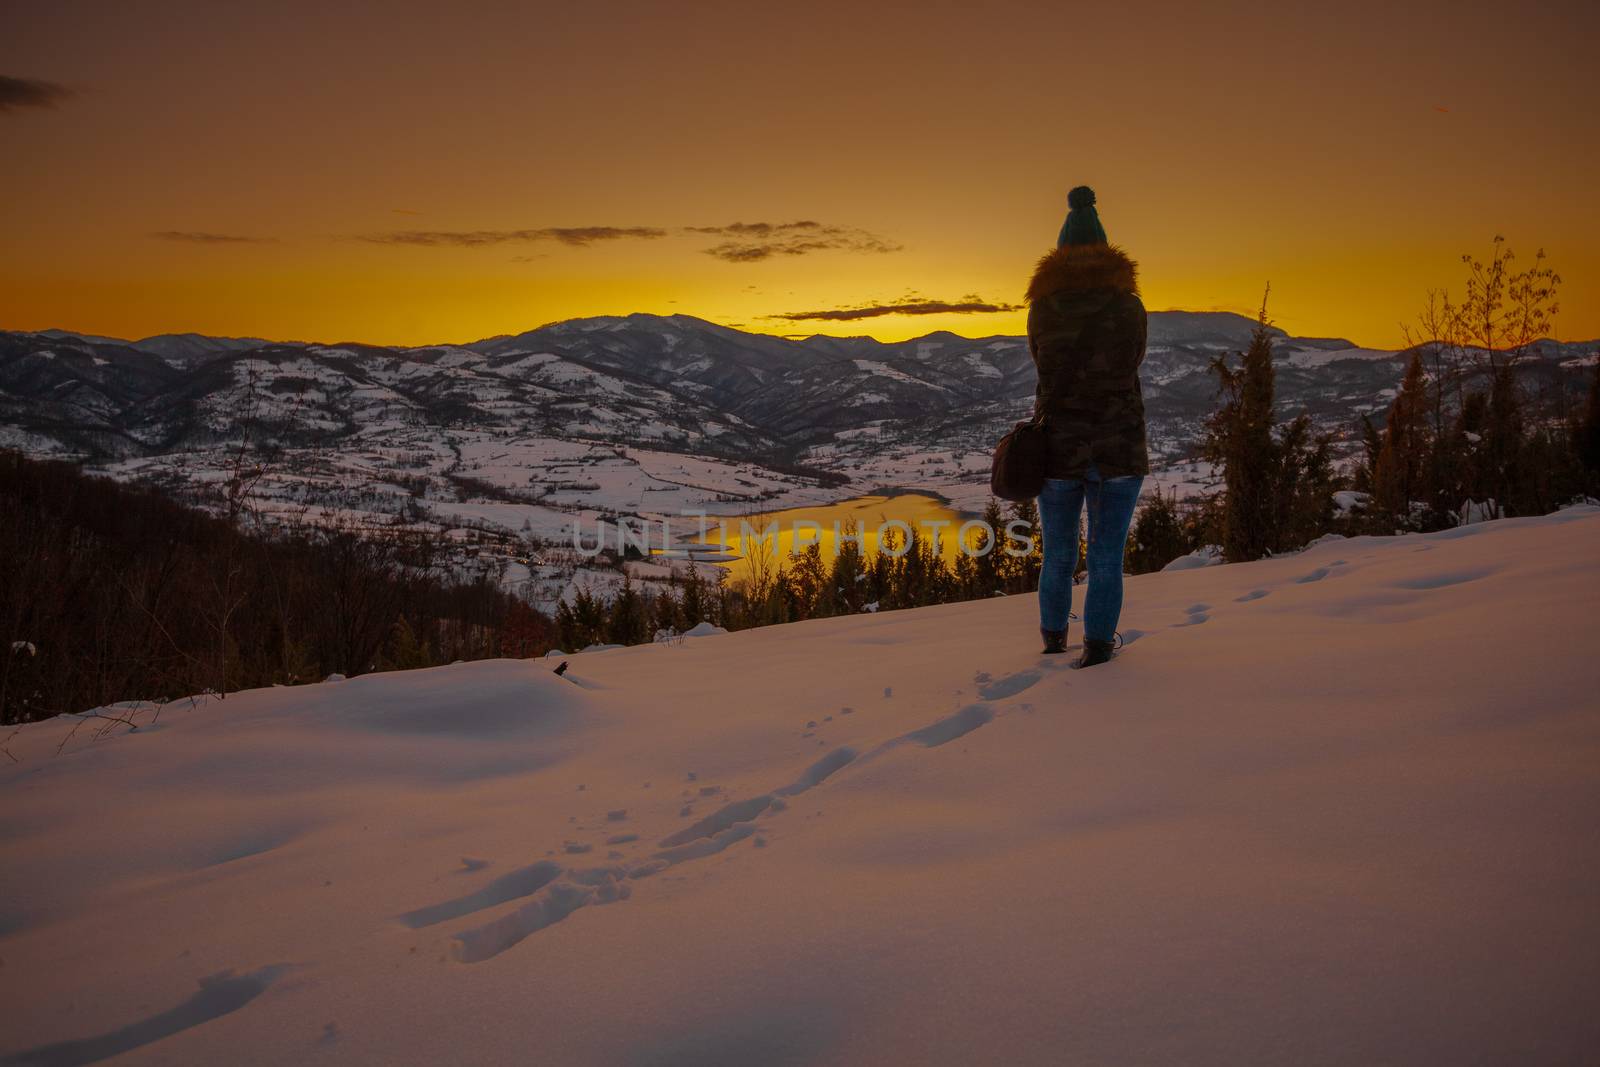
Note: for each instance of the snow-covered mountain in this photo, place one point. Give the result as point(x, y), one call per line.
point(1298, 820)
point(673, 381)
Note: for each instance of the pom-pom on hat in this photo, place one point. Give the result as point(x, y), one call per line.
point(1083, 221)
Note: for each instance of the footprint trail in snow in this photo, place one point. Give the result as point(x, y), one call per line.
point(554, 892)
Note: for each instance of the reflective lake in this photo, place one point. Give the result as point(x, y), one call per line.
point(780, 533)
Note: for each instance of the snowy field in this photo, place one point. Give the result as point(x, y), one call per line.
point(1334, 808)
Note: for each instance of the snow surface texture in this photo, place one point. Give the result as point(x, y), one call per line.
point(1330, 808)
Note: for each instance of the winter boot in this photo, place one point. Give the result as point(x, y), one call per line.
point(1094, 653)
point(1055, 641)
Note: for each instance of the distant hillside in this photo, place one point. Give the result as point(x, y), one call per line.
point(676, 382)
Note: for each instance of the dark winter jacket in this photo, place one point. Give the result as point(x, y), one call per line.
point(1086, 330)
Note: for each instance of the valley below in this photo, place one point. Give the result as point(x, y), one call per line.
point(504, 450)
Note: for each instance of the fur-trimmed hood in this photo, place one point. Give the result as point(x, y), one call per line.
point(1077, 267)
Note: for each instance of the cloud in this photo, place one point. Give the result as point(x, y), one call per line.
point(972, 305)
point(30, 92)
point(745, 242)
point(200, 237)
point(758, 229)
point(575, 236)
point(752, 242)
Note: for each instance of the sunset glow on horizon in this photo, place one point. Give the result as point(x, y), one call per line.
point(401, 175)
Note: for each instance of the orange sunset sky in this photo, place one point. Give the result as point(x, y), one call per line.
point(414, 172)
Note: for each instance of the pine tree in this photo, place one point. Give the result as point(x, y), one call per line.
point(846, 576)
point(808, 582)
point(406, 650)
point(1503, 437)
point(1364, 477)
point(665, 612)
point(566, 626)
point(1024, 577)
point(1476, 481)
point(1239, 439)
point(588, 621)
point(1588, 436)
point(1403, 459)
point(938, 584)
point(693, 606)
point(1306, 483)
point(1157, 538)
point(627, 622)
point(988, 578)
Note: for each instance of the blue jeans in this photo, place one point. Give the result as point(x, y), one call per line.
point(1111, 502)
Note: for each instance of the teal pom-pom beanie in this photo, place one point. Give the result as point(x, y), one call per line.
point(1083, 221)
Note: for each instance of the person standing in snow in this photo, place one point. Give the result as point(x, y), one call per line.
point(1086, 331)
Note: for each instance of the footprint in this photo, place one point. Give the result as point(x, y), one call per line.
point(1197, 609)
point(559, 892)
point(518, 883)
point(1195, 619)
point(721, 819)
point(1009, 686)
point(560, 900)
point(952, 727)
point(706, 846)
point(1444, 579)
point(818, 772)
point(1254, 594)
point(1315, 576)
point(1130, 636)
point(219, 995)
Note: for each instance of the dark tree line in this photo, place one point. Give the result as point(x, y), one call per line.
point(1500, 446)
point(1445, 453)
point(111, 592)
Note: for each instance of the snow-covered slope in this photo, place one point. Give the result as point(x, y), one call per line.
point(1330, 808)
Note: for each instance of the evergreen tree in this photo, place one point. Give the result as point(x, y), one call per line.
point(1448, 475)
point(665, 611)
point(1024, 572)
point(693, 605)
point(628, 621)
point(1306, 483)
point(965, 581)
point(881, 570)
point(1403, 459)
point(1157, 538)
point(1476, 481)
point(567, 627)
point(938, 582)
point(808, 582)
point(1239, 439)
point(1364, 477)
point(847, 575)
point(1588, 436)
point(589, 621)
point(1503, 437)
point(988, 578)
point(406, 651)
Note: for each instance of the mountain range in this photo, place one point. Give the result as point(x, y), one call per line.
point(674, 382)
